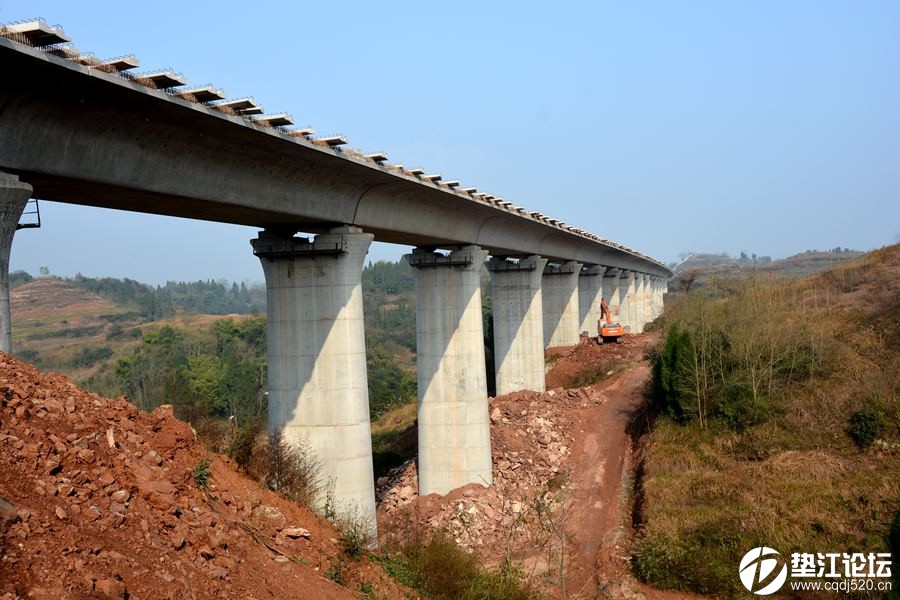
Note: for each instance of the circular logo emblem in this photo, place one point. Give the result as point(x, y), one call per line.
point(763, 571)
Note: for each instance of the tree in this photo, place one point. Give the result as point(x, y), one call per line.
point(689, 278)
point(675, 378)
point(17, 278)
point(44, 271)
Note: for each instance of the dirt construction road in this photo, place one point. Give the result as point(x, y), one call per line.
point(559, 503)
point(601, 475)
point(598, 466)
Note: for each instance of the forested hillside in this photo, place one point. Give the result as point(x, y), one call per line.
point(152, 303)
point(159, 345)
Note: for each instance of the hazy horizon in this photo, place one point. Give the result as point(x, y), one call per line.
point(370, 259)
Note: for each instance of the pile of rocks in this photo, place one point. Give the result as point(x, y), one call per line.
point(531, 440)
point(106, 505)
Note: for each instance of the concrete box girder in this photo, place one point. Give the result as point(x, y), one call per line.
point(87, 137)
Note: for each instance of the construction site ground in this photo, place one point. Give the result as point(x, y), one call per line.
point(561, 497)
point(103, 503)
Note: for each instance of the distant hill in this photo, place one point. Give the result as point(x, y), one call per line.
point(698, 269)
point(59, 326)
point(198, 345)
point(62, 325)
point(214, 297)
point(41, 302)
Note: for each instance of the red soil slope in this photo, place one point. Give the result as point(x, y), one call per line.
point(106, 506)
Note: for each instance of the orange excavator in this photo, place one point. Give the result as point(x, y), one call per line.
point(607, 331)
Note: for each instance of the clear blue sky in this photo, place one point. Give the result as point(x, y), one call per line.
point(766, 126)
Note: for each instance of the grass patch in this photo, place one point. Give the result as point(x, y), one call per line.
point(593, 374)
point(394, 438)
point(778, 424)
point(437, 567)
point(705, 505)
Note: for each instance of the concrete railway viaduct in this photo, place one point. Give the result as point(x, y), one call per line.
point(78, 129)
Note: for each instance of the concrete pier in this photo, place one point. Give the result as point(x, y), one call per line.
point(627, 300)
point(454, 426)
point(318, 391)
point(640, 302)
point(655, 296)
point(661, 293)
point(561, 319)
point(611, 293)
point(518, 323)
point(13, 198)
point(590, 292)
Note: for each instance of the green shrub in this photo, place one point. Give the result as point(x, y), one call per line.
point(355, 534)
point(88, 357)
point(674, 371)
point(335, 571)
point(865, 426)
point(442, 567)
point(29, 356)
point(241, 447)
point(739, 409)
point(202, 474)
point(289, 468)
point(699, 563)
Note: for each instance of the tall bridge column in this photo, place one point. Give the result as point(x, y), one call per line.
point(454, 426)
point(640, 304)
point(626, 299)
point(590, 292)
point(663, 290)
point(657, 296)
point(13, 197)
point(318, 391)
point(611, 294)
point(516, 299)
point(560, 296)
